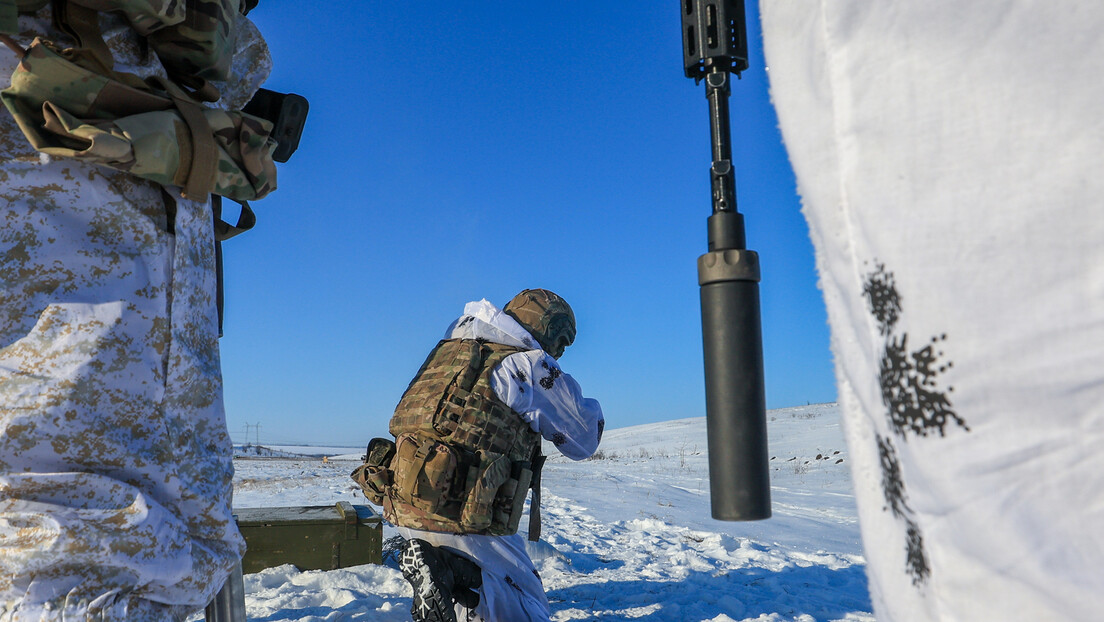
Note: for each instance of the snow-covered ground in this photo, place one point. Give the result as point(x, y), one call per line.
point(627, 535)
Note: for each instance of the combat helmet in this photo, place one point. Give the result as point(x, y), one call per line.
point(546, 316)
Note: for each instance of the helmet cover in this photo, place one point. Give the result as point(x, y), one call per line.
point(546, 316)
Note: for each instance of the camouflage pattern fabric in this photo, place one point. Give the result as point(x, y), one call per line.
point(115, 464)
point(546, 316)
point(191, 37)
point(66, 108)
point(199, 45)
point(462, 463)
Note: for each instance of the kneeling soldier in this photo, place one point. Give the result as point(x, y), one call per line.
point(468, 449)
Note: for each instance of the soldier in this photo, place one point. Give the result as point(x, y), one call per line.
point(115, 462)
point(468, 435)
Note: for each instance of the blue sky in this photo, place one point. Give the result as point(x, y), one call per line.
point(472, 149)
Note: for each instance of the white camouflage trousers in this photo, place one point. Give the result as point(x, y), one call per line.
point(512, 590)
point(115, 462)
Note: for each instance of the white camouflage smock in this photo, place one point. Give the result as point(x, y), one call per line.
point(115, 462)
point(950, 157)
point(533, 385)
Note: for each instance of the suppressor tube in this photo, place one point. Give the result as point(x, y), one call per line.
point(739, 477)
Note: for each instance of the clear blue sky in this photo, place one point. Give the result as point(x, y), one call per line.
point(472, 149)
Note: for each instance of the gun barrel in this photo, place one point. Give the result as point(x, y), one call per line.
point(714, 37)
point(723, 177)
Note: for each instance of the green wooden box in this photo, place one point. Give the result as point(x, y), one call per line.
point(311, 538)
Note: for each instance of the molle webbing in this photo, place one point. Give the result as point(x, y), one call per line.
point(451, 399)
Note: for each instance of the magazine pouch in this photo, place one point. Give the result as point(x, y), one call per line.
point(374, 476)
point(478, 511)
point(424, 471)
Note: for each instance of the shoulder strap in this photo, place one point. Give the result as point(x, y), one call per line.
point(198, 177)
point(83, 25)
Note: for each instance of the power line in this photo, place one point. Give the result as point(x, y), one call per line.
point(256, 432)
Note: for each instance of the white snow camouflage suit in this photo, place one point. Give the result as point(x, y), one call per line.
point(512, 590)
point(115, 462)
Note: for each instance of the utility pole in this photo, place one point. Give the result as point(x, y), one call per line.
point(256, 432)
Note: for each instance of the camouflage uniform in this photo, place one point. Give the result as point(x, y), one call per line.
point(115, 462)
point(532, 384)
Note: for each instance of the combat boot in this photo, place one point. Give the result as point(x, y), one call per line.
point(439, 578)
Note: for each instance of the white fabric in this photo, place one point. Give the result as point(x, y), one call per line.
point(950, 157)
point(115, 462)
point(533, 384)
point(483, 320)
point(512, 590)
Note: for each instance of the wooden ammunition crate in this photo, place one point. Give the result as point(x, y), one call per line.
point(311, 538)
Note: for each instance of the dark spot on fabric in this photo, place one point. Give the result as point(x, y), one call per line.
point(893, 487)
point(882, 297)
point(558, 439)
point(910, 390)
point(909, 379)
point(915, 404)
point(553, 372)
point(917, 560)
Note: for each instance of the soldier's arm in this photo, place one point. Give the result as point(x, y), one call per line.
point(533, 385)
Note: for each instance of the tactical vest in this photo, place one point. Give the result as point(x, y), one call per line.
point(462, 461)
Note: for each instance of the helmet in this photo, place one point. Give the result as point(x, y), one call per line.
point(546, 316)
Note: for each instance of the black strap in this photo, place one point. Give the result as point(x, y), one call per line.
point(225, 231)
point(534, 505)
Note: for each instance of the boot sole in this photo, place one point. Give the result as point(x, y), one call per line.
point(431, 604)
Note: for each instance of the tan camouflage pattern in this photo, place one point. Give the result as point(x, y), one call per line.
point(374, 476)
point(200, 44)
point(66, 109)
point(463, 459)
point(115, 464)
point(144, 16)
point(191, 37)
point(546, 316)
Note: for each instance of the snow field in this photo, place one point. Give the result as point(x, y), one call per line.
point(626, 536)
